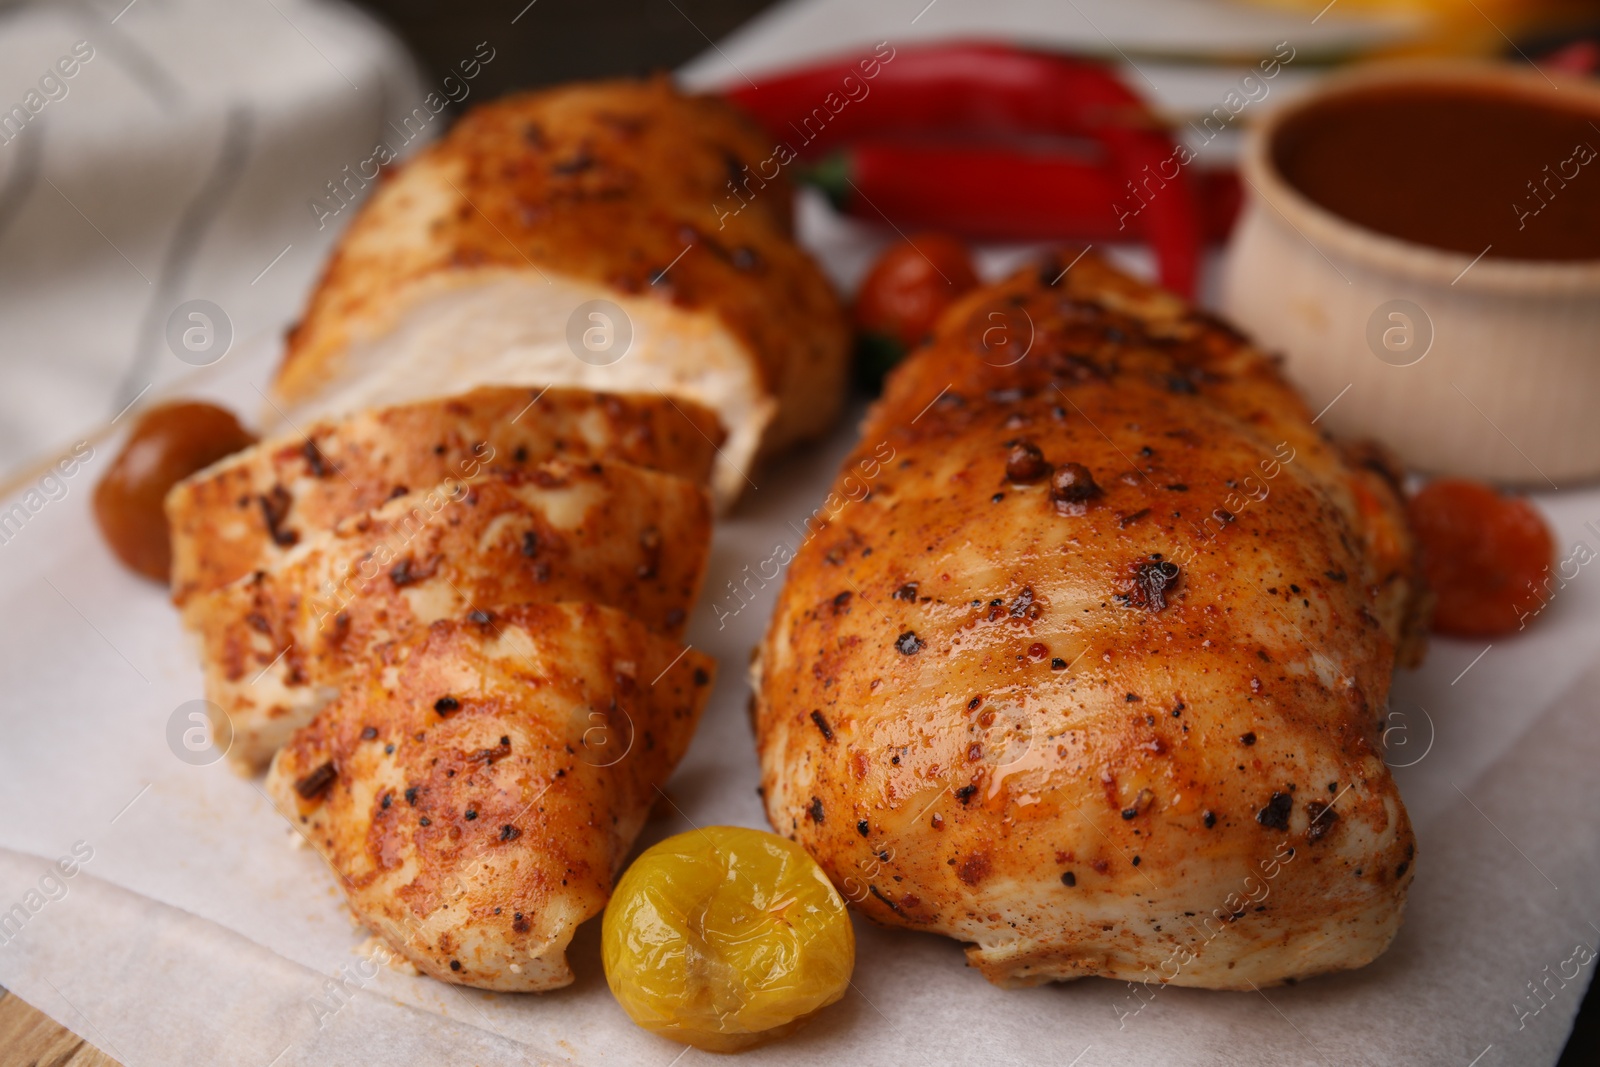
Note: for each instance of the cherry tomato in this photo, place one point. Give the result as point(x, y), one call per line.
point(904, 293)
point(171, 442)
point(725, 937)
point(1485, 556)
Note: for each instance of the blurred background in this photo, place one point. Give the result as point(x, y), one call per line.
point(573, 39)
point(562, 40)
point(202, 150)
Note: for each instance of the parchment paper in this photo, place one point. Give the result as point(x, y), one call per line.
point(196, 934)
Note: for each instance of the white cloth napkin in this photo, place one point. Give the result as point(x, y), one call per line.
point(177, 161)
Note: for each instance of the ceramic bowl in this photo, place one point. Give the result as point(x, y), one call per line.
point(1480, 367)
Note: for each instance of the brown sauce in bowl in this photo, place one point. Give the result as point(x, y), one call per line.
point(1460, 168)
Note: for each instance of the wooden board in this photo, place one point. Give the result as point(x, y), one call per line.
point(29, 1036)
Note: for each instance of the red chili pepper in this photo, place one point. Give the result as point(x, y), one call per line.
point(989, 90)
point(1579, 59)
point(1046, 196)
point(942, 88)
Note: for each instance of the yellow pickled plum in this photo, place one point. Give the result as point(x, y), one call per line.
point(725, 937)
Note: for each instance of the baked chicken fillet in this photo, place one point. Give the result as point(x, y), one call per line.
point(613, 235)
point(1085, 660)
point(477, 790)
point(278, 644)
point(247, 511)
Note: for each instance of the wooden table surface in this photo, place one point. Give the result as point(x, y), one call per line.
point(30, 1038)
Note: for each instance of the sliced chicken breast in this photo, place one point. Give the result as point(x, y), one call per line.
point(613, 235)
point(477, 790)
point(278, 644)
point(1085, 660)
point(243, 513)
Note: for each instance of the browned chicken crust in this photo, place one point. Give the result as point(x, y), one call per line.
point(1085, 660)
point(279, 643)
point(612, 185)
point(242, 514)
point(476, 793)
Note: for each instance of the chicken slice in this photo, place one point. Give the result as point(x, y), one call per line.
point(1093, 677)
point(277, 644)
point(244, 512)
point(478, 788)
point(612, 235)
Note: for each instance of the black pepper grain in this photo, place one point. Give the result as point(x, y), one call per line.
point(274, 510)
point(314, 458)
point(1275, 816)
point(1323, 816)
point(1152, 578)
point(908, 643)
point(317, 782)
point(1025, 464)
point(1071, 486)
